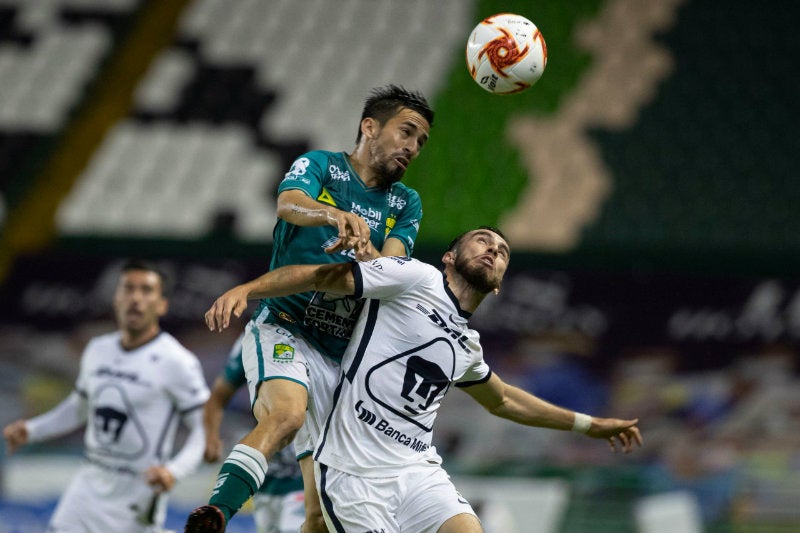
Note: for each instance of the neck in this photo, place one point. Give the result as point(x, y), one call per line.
point(133, 339)
point(358, 160)
point(468, 298)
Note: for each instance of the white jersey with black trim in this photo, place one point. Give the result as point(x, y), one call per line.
point(134, 399)
point(410, 344)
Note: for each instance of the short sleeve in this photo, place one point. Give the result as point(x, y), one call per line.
point(81, 383)
point(306, 174)
point(388, 277)
point(477, 374)
point(188, 384)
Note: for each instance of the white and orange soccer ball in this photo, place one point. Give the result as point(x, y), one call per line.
point(506, 53)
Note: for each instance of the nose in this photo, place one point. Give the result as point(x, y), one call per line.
point(411, 147)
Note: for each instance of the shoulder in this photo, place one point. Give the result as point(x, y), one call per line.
point(315, 156)
point(104, 341)
point(401, 190)
point(405, 200)
point(400, 268)
point(308, 162)
point(100, 346)
point(171, 347)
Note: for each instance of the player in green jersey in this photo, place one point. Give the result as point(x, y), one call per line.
point(332, 207)
point(278, 506)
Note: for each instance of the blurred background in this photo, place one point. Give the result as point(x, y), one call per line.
point(647, 183)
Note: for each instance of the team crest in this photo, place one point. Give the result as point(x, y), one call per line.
point(390, 222)
point(422, 375)
point(283, 352)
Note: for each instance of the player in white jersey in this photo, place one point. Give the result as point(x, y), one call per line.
point(134, 388)
point(377, 469)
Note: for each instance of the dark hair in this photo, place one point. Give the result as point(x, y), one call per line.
point(149, 266)
point(454, 244)
point(385, 102)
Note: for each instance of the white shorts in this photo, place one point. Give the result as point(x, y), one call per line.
point(419, 500)
point(99, 500)
point(270, 351)
point(279, 513)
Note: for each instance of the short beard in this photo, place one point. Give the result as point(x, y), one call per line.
point(476, 277)
point(387, 176)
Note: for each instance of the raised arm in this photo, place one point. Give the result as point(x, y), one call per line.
point(513, 403)
point(336, 278)
point(296, 207)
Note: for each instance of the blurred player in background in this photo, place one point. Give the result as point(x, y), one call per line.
point(377, 468)
point(332, 208)
point(278, 505)
point(134, 387)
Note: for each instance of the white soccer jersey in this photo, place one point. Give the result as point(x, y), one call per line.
point(410, 344)
point(135, 398)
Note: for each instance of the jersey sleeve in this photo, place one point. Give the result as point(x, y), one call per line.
point(306, 174)
point(388, 277)
point(233, 372)
point(83, 371)
point(406, 227)
point(479, 371)
point(188, 384)
point(477, 374)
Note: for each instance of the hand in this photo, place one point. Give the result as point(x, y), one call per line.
point(159, 478)
point(354, 233)
point(213, 449)
point(362, 253)
point(16, 435)
point(232, 303)
point(621, 434)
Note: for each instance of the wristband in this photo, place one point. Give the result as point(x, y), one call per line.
point(582, 423)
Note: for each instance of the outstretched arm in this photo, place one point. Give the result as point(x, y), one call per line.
point(336, 278)
point(513, 403)
point(64, 418)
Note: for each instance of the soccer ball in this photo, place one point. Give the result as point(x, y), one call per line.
point(506, 53)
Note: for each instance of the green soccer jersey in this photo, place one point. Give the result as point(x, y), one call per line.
point(323, 320)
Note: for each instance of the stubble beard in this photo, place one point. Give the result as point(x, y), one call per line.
point(477, 277)
point(387, 173)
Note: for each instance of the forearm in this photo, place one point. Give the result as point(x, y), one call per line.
point(281, 282)
point(212, 416)
point(190, 455)
point(525, 408)
point(295, 279)
point(298, 209)
point(214, 409)
point(64, 418)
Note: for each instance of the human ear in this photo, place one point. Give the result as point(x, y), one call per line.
point(368, 126)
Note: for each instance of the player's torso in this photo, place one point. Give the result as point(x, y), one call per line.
point(130, 410)
point(326, 320)
point(342, 188)
point(394, 383)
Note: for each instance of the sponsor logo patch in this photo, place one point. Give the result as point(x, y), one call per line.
point(283, 352)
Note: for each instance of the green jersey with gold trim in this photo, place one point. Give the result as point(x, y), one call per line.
point(324, 320)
